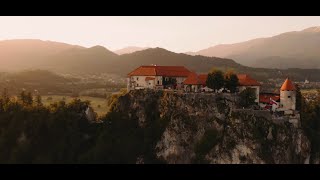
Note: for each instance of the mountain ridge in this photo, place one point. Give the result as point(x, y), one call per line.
point(302, 47)
point(98, 59)
point(129, 49)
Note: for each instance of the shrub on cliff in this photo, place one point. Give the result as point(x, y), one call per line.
point(208, 141)
point(215, 80)
point(247, 98)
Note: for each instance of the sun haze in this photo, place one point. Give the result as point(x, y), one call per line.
point(175, 33)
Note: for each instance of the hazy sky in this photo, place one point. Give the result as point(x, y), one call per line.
point(176, 33)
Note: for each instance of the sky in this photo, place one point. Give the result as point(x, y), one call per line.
point(175, 33)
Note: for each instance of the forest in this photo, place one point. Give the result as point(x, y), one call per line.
point(32, 133)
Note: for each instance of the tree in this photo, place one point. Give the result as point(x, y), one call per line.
point(247, 97)
point(299, 98)
point(38, 100)
point(29, 99)
point(22, 96)
point(215, 80)
point(231, 81)
point(5, 96)
point(26, 98)
point(310, 122)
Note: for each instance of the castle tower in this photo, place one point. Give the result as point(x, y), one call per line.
point(288, 95)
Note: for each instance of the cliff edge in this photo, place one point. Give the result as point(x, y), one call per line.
point(206, 128)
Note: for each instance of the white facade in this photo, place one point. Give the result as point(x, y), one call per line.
point(206, 89)
point(140, 82)
point(288, 100)
point(255, 88)
point(192, 88)
point(151, 82)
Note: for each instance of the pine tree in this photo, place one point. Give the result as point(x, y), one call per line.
point(22, 97)
point(38, 100)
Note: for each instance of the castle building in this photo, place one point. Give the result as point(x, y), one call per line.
point(287, 97)
point(284, 102)
point(269, 101)
point(195, 82)
point(246, 81)
point(180, 78)
point(157, 77)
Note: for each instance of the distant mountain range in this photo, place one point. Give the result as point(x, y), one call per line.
point(61, 57)
point(17, 55)
point(128, 50)
point(297, 49)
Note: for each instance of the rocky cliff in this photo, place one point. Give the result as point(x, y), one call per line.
point(205, 128)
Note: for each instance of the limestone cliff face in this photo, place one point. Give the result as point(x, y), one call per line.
point(205, 128)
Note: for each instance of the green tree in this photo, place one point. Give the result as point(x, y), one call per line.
point(29, 99)
point(22, 96)
point(38, 100)
point(231, 81)
point(247, 97)
point(299, 98)
point(310, 122)
point(5, 96)
point(215, 80)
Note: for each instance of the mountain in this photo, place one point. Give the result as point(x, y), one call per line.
point(297, 49)
point(159, 56)
point(88, 60)
point(65, 58)
point(17, 55)
point(128, 50)
point(28, 53)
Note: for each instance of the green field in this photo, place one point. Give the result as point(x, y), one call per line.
point(95, 102)
point(309, 91)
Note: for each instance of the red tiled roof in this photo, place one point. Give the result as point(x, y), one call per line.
point(192, 79)
point(288, 85)
point(149, 78)
point(265, 98)
point(169, 71)
point(144, 71)
point(246, 80)
point(203, 78)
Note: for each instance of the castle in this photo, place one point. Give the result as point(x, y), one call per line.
point(285, 102)
point(287, 97)
point(180, 78)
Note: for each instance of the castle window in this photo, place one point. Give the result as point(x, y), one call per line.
point(158, 82)
point(137, 78)
point(289, 96)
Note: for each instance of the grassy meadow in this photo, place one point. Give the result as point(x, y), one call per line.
point(98, 104)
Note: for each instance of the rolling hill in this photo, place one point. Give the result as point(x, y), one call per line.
point(29, 53)
point(17, 55)
point(297, 49)
point(65, 58)
point(128, 50)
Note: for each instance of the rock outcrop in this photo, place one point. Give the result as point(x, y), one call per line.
point(206, 128)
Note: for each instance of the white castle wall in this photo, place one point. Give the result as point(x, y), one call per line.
point(288, 100)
